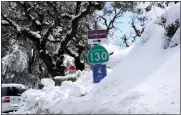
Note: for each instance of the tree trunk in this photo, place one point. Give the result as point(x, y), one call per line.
point(54, 70)
point(78, 64)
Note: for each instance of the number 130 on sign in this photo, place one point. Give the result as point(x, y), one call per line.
point(97, 54)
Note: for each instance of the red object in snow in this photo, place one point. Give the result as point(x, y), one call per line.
point(72, 69)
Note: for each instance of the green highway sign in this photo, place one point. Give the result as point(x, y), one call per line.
point(97, 55)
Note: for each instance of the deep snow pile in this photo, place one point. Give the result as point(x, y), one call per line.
point(146, 81)
point(47, 82)
point(33, 99)
point(118, 55)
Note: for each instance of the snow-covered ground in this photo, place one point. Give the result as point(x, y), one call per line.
point(146, 81)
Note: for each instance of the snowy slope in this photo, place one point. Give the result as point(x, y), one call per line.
point(146, 81)
point(118, 54)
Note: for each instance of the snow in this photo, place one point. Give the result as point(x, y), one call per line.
point(51, 38)
point(14, 24)
point(147, 34)
point(38, 22)
point(73, 52)
point(69, 32)
point(47, 82)
point(76, 75)
point(4, 22)
point(146, 81)
point(32, 52)
point(155, 12)
point(163, 93)
point(118, 54)
point(172, 14)
point(36, 34)
point(15, 60)
point(38, 98)
point(63, 15)
point(76, 89)
point(84, 79)
point(68, 60)
point(57, 48)
point(14, 85)
point(57, 31)
point(78, 15)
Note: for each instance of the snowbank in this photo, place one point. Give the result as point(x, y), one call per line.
point(33, 100)
point(147, 81)
point(47, 82)
point(118, 54)
point(75, 75)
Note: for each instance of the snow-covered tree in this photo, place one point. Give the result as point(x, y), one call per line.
point(170, 20)
point(47, 31)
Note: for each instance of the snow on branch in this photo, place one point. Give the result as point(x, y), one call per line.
point(74, 25)
point(23, 30)
point(73, 52)
point(66, 16)
point(75, 20)
point(82, 13)
point(52, 40)
point(35, 34)
point(16, 60)
point(11, 22)
point(4, 22)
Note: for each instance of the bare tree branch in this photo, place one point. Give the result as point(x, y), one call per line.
point(110, 25)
